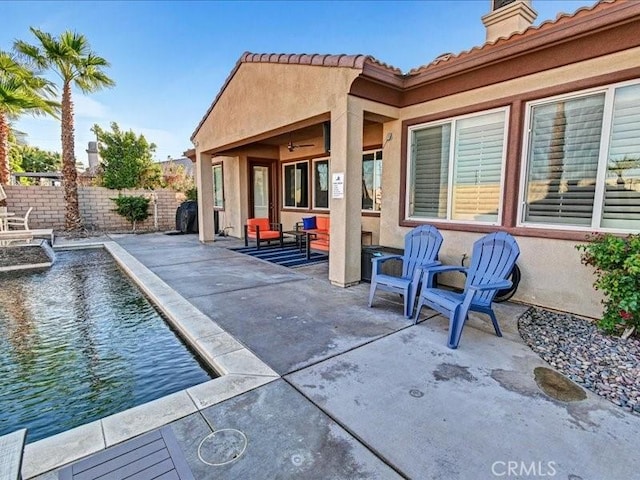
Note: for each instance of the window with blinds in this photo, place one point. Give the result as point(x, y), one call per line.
point(583, 161)
point(479, 146)
point(456, 169)
point(563, 160)
point(429, 171)
point(621, 207)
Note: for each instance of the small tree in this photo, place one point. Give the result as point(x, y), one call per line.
point(133, 208)
point(127, 159)
point(617, 268)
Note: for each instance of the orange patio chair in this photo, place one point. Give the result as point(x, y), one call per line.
point(261, 231)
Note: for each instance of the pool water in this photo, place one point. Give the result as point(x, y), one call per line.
point(79, 342)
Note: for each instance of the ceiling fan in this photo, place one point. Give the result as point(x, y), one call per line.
point(292, 146)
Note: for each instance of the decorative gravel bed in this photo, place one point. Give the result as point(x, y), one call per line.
point(608, 366)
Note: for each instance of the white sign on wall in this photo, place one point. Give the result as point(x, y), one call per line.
point(337, 185)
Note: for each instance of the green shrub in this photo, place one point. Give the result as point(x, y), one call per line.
point(617, 264)
point(134, 209)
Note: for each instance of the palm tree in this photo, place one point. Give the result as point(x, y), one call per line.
point(71, 58)
point(21, 91)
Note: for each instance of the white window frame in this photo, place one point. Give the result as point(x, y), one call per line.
point(313, 183)
point(284, 185)
point(605, 139)
point(375, 151)
point(453, 121)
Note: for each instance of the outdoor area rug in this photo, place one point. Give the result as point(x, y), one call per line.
point(287, 256)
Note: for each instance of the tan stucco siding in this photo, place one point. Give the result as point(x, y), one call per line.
point(263, 97)
point(550, 78)
point(552, 275)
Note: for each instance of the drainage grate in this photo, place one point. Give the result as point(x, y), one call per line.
point(222, 447)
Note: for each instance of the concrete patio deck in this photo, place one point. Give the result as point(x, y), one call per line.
point(364, 393)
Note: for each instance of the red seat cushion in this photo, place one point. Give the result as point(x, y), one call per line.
point(265, 229)
point(322, 223)
point(267, 235)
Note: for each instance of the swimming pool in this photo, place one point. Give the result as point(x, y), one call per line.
point(79, 342)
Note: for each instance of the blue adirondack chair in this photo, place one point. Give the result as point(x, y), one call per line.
point(421, 247)
point(492, 260)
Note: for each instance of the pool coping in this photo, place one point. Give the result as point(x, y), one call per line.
point(239, 369)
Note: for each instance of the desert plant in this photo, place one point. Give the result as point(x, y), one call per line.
point(617, 268)
point(133, 208)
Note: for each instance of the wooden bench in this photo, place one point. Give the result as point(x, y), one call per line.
point(27, 235)
point(11, 448)
point(154, 455)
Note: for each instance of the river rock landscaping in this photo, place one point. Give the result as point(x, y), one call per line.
point(606, 365)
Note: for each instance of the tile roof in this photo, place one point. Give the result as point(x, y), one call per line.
point(560, 19)
point(316, 59)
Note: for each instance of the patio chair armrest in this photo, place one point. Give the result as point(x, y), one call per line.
point(430, 270)
point(376, 262)
point(429, 265)
point(384, 258)
point(445, 268)
point(496, 285)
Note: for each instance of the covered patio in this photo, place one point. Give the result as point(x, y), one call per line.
point(285, 157)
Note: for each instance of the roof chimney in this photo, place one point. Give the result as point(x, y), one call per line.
point(508, 17)
point(94, 157)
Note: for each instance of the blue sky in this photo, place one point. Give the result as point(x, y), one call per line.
point(169, 59)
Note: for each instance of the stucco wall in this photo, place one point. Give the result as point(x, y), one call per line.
point(95, 207)
point(258, 100)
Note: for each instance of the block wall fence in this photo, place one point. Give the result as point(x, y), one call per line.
point(96, 207)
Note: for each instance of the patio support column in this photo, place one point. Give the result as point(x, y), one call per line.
point(204, 183)
point(346, 223)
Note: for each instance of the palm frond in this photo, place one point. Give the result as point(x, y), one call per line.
point(30, 53)
point(22, 90)
point(76, 43)
point(15, 99)
point(70, 56)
